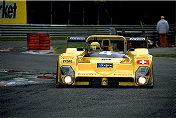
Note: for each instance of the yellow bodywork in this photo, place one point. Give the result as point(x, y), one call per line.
point(133, 70)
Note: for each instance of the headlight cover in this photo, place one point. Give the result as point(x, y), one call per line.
point(142, 71)
point(141, 74)
point(68, 71)
point(68, 75)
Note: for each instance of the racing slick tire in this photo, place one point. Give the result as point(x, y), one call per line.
point(57, 74)
point(152, 85)
point(58, 85)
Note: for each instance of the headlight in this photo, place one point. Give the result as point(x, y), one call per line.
point(68, 74)
point(141, 75)
point(67, 80)
point(142, 80)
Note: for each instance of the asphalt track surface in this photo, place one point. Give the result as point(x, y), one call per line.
point(44, 100)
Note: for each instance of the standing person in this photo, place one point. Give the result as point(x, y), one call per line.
point(162, 29)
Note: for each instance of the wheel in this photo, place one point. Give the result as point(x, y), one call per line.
point(57, 75)
point(152, 85)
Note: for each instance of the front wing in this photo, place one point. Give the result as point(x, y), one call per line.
point(124, 75)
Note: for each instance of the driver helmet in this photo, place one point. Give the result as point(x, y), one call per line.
point(94, 46)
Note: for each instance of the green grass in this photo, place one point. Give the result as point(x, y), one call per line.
point(61, 48)
point(13, 39)
point(165, 55)
point(58, 38)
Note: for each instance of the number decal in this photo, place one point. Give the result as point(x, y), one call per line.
point(106, 52)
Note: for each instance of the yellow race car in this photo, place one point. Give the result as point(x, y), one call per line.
point(106, 61)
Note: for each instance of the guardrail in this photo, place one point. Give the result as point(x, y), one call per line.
point(21, 30)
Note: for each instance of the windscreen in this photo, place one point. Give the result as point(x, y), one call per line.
point(116, 43)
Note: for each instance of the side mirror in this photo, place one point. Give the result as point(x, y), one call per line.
point(131, 49)
point(80, 49)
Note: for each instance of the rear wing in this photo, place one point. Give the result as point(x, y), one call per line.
point(75, 39)
point(97, 38)
point(137, 42)
point(129, 42)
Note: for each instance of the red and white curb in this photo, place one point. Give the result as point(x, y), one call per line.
point(7, 50)
point(34, 52)
point(15, 78)
point(41, 52)
point(47, 76)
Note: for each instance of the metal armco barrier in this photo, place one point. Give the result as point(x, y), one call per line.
point(38, 41)
point(21, 30)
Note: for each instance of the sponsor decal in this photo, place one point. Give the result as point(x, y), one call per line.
point(86, 73)
point(8, 10)
point(105, 59)
point(137, 39)
point(77, 38)
point(123, 74)
point(94, 48)
point(67, 61)
point(104, 65)
point(106, 53)
point(143, 62)
point(13, 12)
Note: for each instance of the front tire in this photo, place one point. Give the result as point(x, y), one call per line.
point(152, 84)
point(57, 75)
